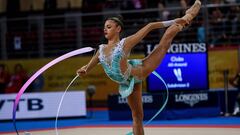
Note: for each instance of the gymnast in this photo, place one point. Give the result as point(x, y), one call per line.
point(129, 74)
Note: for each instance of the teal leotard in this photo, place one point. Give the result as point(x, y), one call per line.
point(111, 66)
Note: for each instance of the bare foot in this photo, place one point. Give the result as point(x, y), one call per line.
point(192, 12)
point(194, 8)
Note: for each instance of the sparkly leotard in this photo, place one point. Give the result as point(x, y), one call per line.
point(111, 66)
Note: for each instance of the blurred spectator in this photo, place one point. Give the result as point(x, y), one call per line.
point(37, 85)
point(4, 78)
point(185, 4)
point(163, 12)
point(201, 31)
point(132, 4)
point(138, 4)
point(216, 2)
point(232, 1)
point(50, 5)
point(236, 83)
point(153, 3)
point(111, 4)
point(231, 23)
point(217, 33)
point(127, 5)
point(17, 79)
point(93, 5)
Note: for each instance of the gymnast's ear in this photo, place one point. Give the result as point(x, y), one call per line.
point(119, 29)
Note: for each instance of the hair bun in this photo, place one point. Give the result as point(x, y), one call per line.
point(118, 19)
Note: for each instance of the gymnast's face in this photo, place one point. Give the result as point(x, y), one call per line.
point(111, 29)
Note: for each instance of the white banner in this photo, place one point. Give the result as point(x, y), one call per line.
point(43, 105)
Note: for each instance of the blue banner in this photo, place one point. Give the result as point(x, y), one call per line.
point(180, 105)
point(181, 71)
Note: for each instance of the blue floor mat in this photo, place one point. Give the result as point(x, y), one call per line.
point(100, 118)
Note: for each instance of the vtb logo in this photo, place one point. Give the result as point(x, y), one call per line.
point(33, 104)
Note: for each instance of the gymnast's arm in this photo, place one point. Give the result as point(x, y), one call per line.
point(134, 39)
point(91, 64)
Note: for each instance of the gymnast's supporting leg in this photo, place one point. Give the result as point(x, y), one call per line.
point(135, 104)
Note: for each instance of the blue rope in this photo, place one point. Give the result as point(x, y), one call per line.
point(164, 105)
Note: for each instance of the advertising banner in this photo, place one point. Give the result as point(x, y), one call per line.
point(43, 105)
point(180, 105)
point(184, 67)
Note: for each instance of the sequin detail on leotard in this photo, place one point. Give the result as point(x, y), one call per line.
point(111, 66)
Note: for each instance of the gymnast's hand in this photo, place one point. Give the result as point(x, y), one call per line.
point(82, 71)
